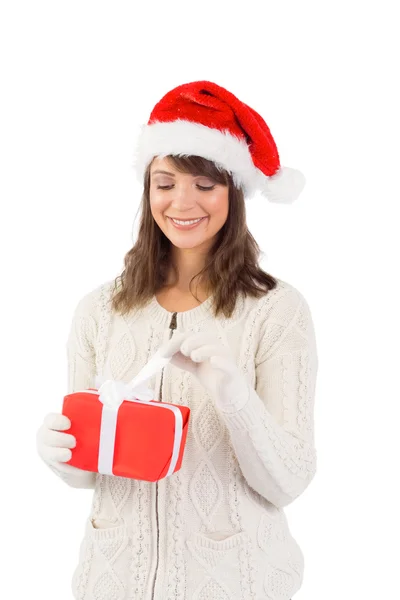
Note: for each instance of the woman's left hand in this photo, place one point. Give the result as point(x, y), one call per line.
point(203, 355)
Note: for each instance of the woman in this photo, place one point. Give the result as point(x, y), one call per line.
point(243, 358)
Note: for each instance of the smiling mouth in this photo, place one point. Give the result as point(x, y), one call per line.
point(193, 219)
point(187, 224)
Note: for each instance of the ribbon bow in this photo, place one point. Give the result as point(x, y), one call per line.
point(112, 393)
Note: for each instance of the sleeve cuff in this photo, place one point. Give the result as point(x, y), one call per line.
point(247, 414)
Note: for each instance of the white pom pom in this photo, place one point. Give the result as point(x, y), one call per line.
point(284, 187)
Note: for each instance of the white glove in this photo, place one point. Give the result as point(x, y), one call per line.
point(53, 446)
point(213, 364)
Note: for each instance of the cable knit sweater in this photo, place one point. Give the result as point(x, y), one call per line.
point(216, 529)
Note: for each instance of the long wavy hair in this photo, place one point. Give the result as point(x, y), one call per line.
point(231, 265)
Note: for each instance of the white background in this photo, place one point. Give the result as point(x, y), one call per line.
point(78, 79)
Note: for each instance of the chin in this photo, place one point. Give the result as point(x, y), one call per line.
point(187, 245)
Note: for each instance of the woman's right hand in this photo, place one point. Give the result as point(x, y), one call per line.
point(54, 447)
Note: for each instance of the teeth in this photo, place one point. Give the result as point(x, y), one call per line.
point(186, 222)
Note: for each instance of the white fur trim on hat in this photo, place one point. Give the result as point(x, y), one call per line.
point(186, 138)
point(183, 137)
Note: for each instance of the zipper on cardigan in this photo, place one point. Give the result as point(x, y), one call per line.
point(172, 326)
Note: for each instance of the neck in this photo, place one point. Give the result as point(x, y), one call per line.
point(182, 287)
point(188, 263)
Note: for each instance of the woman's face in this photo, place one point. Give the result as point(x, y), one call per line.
point(187, 197)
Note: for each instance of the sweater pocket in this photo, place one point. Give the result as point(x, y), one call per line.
point(103, 563)
point(216, 565)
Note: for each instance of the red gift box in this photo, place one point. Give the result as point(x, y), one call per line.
point(120, 431)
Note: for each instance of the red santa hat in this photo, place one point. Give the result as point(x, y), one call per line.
point(204, 119)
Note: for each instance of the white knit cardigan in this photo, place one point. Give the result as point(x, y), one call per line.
point(216, 529)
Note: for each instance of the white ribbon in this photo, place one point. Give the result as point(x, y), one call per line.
point(112, 393)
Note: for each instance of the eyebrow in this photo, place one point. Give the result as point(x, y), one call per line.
point(161, 172)
point(158, 171)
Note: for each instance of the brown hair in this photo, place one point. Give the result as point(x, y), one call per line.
point(232, 265)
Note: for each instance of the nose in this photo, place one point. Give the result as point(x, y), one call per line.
point(182, 197)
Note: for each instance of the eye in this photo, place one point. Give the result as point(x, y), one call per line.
point(164, 187)
point(205, 188)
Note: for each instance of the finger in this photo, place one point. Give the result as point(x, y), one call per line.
point(57, 421)
point(58, 439)
point(66, 468)
point(173, 345)
point(207, 351)
point(51, 454)
point(59, 467)
point(183, 362)
point(196, 340)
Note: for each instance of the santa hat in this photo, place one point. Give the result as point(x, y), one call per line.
point(204, 119)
